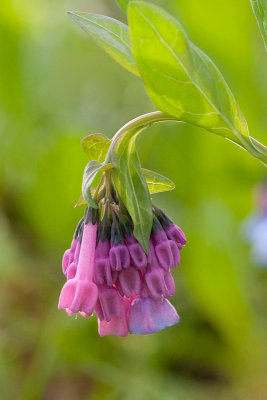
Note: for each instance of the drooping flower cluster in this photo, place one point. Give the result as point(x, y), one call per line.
point(109, 273)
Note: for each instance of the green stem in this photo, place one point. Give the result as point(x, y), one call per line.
point(255, 148)
point(138, 123)
point(108, 186)
point(98, 187)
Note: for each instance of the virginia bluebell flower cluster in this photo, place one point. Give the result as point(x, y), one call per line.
point(108, 272)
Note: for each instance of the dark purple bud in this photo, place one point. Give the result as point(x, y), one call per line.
point(119, 257)
point(137, 254)
point(157, 285)
point(160, 236)
point(109, 303)
point(130, 281)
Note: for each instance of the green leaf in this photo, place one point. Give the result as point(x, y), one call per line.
point(181, 80)
point(96, 146)
point(81, 201)
point(91, 171)
point(131, 185)
point(260, 11)
point(157, 183)
point(110, 34)
point(123, 4)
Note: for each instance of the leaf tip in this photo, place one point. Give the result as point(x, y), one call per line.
point(70, 14)
point(75, 16)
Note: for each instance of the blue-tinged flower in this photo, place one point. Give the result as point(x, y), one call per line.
point(148, 316)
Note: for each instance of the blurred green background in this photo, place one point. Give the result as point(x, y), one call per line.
point(56, 87)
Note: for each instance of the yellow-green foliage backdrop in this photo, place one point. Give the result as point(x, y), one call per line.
point(56, 86)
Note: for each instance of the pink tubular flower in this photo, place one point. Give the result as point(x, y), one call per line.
point(80, 293)
point(117, 325)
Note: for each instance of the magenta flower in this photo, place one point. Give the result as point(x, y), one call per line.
point(80, 293)
point(117, 325)
point(69, 254)
point(72, 268)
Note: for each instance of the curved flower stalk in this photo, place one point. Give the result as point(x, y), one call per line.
point(114, 278)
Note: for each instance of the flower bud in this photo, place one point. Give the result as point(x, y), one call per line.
point(130, 281)
point(108, 304)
